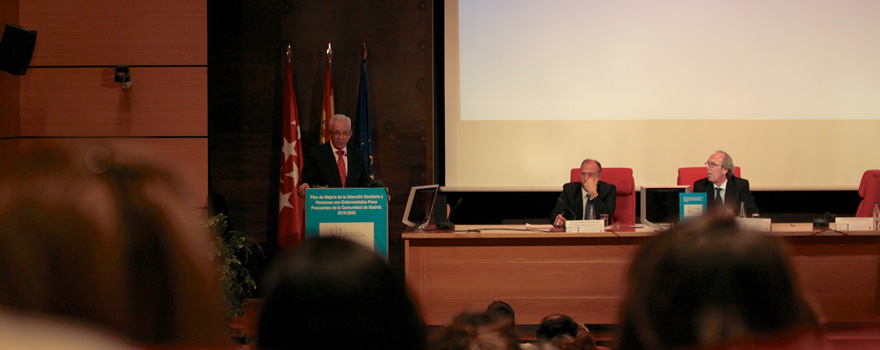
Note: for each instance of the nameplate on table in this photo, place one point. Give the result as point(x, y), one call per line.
point(854, 224)
point(754, 224)
point(585, 226)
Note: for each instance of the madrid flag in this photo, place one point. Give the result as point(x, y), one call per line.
point(290, 211)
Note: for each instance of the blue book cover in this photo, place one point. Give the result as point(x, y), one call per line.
point(691, 205)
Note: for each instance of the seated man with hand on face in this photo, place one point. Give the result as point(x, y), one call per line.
point(574, 201)
point(333, 164)
point(722, 188)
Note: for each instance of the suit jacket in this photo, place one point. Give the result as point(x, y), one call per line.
point(319, 168)
point(571, 196)
point(737, 191)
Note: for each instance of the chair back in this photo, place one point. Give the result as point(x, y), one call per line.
point(622, 178)
point(869, 190)
point(687, 176)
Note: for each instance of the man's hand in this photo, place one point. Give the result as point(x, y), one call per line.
point(590, 184)
point(302, 189)
point(560, 221)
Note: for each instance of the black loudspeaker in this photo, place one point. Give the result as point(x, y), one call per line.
point(440, 210)
point(16, 49)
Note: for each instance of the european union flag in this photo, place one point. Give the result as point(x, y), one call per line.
point(363, 117)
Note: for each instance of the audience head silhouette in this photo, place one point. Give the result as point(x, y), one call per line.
point(502, 309)
point(335, 293)
point(558, 331)
point(708, 282)
point(476, 330)
point(101, 236)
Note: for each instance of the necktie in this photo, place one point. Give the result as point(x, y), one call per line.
point(340, 163)
point(718, 197)
point(586, 207)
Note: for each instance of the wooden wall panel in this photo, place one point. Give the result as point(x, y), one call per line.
point(8, 82)
point(7, 147)
point(187, 157)
point(163, 101)
point(110, 32)
point(9, 122)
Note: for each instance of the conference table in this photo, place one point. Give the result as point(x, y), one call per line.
point(540, 271)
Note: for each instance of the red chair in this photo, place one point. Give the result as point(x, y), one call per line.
point(869, 190)
point(687, 176)
point(622, 178)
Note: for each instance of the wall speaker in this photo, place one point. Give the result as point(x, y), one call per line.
point(16, 49)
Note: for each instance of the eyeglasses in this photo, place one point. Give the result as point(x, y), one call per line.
point(337, 133)
point(711, 165)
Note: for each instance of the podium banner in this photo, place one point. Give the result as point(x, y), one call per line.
point(359, 214)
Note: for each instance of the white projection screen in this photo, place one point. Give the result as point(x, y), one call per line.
point(790, 89)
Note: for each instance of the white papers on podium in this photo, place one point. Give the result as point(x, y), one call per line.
point(754, 224)
point(854, 224)
point(585, 226)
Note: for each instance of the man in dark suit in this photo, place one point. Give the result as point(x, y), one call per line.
point(591, 190)
point(722, 188)
point(330, 163)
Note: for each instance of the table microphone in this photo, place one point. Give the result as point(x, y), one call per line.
point(566, 207)
point(448, 225)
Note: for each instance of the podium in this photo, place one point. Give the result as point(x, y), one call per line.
point(359, 214)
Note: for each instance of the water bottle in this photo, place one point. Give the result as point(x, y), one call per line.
point(876, 216)
point(742, 209)
point(592, 215)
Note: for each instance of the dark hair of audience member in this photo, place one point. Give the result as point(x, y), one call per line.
point(708, 282)
point(564, 333)
point(102, 236)
point(333, 293)
point(476, 330)
point(502, 309)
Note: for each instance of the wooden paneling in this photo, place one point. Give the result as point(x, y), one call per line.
point(581, 277)
point(542, 273)
point(110, 32)
point(8, 82)
point(7, 147)
point(841, 278)
point(163, 101)
point(187, 157)
point(9, 122)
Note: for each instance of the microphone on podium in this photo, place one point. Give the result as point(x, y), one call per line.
point(445, 224)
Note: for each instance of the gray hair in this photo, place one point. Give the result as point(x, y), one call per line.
point(340, 118)
point(727, 163)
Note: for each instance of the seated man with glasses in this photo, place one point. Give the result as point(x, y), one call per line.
point(722, 188)
point(333, 164)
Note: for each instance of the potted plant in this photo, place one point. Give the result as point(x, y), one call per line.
point(232, 251)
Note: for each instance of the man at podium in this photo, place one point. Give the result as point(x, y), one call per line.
point(722, 188)
point(333, 164)
point(577, 197)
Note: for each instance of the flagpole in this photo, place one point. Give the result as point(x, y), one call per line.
point(327, 110)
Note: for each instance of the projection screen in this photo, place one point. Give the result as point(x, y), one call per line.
point(790, 89)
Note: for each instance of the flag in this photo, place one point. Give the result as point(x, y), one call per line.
point(290, 206)
point(363, 117)
point(327, 111)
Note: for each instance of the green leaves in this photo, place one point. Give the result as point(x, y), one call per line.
point(232, 251)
